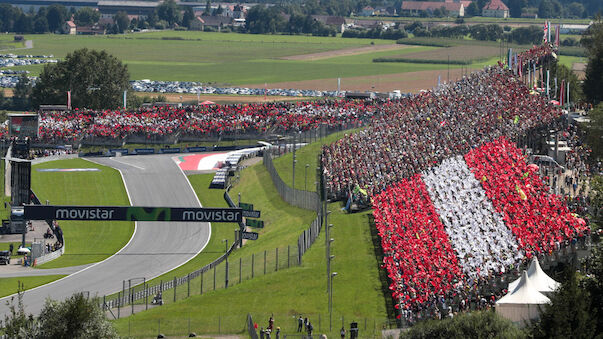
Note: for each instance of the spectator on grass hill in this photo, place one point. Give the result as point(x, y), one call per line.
point(300, 323)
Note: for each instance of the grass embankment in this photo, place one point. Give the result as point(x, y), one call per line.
point(10, 286)
point(223, 58)
point(307, 155)
point(86, 241)
point(357, 289)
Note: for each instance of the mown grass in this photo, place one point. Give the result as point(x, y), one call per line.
point(306, 155)
point(86, 241)
point(479, 19)
point(223, 59)
point(10, 286)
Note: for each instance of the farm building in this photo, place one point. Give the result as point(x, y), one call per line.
point(496, 9)
point(214, 21)
point(336, 21)
point(417, 8)
point(69, 27)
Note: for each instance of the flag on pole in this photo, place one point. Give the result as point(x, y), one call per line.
point(510, 59)
point(198, 97)
point(545, 32)
point(69, 100)
point(548, 31)
point(439, 79)
point(548, 80)
point(338, 85)
point(265, 90)
point(562, 92)
point(557, 29)
point(125, 99)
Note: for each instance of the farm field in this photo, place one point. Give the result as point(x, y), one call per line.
point(229, 58)
point(96, 240)
point(453, 54)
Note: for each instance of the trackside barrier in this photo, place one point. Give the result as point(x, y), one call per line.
point(251, 328)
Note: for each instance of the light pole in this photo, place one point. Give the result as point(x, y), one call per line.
point(327, 242)
point(329, 256)
point(331, 301)
point(306, 177)
point(226, 270)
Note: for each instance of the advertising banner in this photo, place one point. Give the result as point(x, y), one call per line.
point(144, 150)
point(132, 213)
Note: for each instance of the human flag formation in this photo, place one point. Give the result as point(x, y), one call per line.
point(467, 219)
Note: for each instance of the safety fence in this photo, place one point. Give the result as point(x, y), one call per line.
point(226, 271)
point(244, 324)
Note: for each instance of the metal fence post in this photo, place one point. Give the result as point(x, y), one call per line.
point(175, 289)
point(201, 287)
point(188, 281)
point(118, 304)
point(146, 297)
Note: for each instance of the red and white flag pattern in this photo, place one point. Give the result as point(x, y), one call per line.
point(467, 218)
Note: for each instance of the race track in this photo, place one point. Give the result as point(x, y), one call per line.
point(155, 247)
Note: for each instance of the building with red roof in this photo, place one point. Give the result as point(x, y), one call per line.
point(496, 9)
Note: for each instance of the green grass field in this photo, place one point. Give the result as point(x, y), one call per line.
point(226, 58)
point(89, 241)
point(10, 286)
point(479, 19)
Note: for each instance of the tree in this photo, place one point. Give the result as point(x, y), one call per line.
point(592, 40)
point(121, 21)
point(24, 24)
point(86, 16)
point(595, 141)
point(207, 8)
point(576, 10)
point(188, 17)
point(22, 94)
point(527, 35)
point(76, 317)
point(168, 11)
point(472, 10)
point(569, 314)
point(41, 25)
point(484, 324)
point(516, 7)
point(96, 80)
point(56, 16)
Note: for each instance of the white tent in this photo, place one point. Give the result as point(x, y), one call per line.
point(540, 280)
point(523, 303)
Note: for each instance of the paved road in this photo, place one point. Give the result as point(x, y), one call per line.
point(156, 247)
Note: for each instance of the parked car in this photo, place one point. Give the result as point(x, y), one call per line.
point(4, 257)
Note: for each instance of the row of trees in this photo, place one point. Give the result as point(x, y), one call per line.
point(491, 32)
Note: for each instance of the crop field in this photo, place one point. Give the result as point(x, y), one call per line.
point(453, 54)
point(229, 58)
point(90, 241)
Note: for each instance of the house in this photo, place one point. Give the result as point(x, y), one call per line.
point(95, 29)
point(416, 8)
point(337, 21)
point(367, 11)
point(69, 28)
point(496, 9)
point(213, 21)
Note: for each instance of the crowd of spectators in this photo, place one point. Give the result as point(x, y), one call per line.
point(452, 232)
point(202, 121)
point(416, 133)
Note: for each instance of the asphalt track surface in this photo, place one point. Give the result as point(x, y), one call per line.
point(155, 247)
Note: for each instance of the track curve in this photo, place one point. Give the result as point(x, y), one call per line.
point(155, 247)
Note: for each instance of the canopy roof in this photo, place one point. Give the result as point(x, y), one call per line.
point(540, 280)
point(524, 293)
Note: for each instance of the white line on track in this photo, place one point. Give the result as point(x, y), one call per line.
point(125, 163)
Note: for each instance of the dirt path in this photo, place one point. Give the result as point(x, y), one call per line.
point(346, 52)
